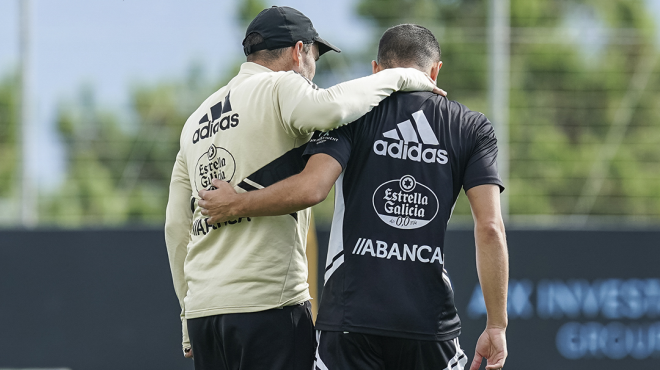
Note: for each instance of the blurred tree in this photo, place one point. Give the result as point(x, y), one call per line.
point(566, 90)
point(248, 9)
point(119, 169)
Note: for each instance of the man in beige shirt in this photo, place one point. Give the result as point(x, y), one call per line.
point(242, 283)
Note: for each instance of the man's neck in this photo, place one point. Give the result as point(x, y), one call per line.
point(274, 66)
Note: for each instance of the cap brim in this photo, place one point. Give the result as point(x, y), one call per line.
point(325, 46)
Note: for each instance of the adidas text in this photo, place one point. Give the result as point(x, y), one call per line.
point(409, 143)
point(415, 153)
point(219, 118)
point(212, 128)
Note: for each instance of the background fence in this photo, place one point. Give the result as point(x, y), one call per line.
point(570, 85)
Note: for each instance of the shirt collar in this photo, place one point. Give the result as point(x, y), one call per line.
point(253, 68)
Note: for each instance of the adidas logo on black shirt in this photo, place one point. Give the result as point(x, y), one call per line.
point(412, 145)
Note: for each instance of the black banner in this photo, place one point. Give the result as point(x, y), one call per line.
point(577, 299)
point(98, 299)
point(103, 299)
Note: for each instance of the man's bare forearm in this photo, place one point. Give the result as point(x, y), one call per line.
point(493, 270)
point(287, 196)
point(297, 192)
point(492, 255)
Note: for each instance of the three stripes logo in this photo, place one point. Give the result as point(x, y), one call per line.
point(411, 144)
point(217, 119)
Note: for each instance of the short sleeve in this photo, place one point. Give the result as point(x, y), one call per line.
point(336, 143)
point(481, 167)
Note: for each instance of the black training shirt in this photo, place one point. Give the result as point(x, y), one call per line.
point(404, 164)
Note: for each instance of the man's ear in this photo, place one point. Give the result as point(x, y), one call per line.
point(435, 69)
point(297, 53)
point(375, 67)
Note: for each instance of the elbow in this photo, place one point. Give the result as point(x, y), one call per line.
point(333, 116)
point(169, 224)
point(317, 197)
point(491, 229)
point(314, 196)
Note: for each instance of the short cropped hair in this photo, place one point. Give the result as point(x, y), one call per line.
point(407, 44)
point(266, 55)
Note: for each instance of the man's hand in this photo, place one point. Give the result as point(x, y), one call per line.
point(218, 204)
point(439, 91)
point(492, 346)
point(436, 90)
point(188, 353)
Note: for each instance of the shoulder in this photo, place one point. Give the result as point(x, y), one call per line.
point(292, 78)
point(407, 97)
point(464, 115)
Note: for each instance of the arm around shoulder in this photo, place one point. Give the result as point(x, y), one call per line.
point(297, 192)
point(306, 108)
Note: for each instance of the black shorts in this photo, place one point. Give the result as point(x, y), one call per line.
point(277, 339)
point(354, 351)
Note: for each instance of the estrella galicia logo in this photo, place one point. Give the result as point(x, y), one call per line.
point(220, 119)
point(216, 163)
point(405, 204)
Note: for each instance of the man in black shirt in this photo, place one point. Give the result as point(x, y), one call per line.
point(388, 302)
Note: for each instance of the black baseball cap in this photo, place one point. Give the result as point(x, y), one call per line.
point(281, 27)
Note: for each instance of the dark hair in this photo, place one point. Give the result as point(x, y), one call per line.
point(266, 55)
point(408, 44)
